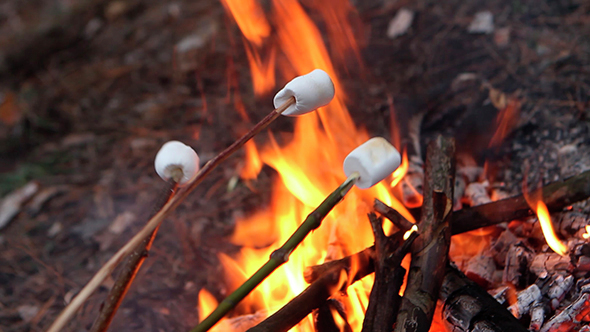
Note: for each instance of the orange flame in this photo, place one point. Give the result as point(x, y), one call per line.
point(506, 120)
point(309, 165)
point(250, 18)
point(535, 202)
point(547, 227)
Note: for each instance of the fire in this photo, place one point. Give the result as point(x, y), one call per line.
point(535, 202)
point(587, 234)
point(308, 163)
point(548, 232)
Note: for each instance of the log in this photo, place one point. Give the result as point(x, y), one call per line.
point(468, 307)
point(430, 250)
point(557, 196)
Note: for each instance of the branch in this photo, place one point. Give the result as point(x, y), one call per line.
point(556, 195)
point(430, 250)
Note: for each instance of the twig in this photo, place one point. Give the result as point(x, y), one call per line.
point(110, 265)
point(430, 250)
point(323, 287)
point(392, 215)
point(129, 271)
point(384, 300)
point(279, 256)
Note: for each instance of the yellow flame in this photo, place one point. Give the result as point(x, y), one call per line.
point(547, 227)
point(587, 234)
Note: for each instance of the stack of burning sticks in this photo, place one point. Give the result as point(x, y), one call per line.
point(494, 293)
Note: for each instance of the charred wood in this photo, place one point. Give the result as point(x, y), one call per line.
point(468, 307)
point(430, 250)
point(538, 311)
point(384, 300)
point(572, 316)
point(325, 317)
point(481, 269)
point(524, 300)
point(551, 263)
point(502, 245)
point(518, 260)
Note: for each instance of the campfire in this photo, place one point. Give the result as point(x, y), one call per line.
point(503, 276)
point(434, 246)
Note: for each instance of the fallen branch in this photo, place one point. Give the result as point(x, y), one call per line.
point(557, 196)
point(430, 250)
point(151, 225)
point(468, 307)
point(129, 271)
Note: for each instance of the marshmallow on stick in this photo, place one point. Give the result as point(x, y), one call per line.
point(374, 160)
point(311, 91)
point(176, 161)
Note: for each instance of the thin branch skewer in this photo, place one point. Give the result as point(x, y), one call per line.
point(279, 256)
point(110, 265)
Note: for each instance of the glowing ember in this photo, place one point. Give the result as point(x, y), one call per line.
point(587, 234)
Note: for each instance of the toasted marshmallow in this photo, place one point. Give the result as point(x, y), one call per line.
point(374, 160)
point(311, 91)
point(175, 155)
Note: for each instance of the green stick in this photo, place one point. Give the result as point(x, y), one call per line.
point(279, 256)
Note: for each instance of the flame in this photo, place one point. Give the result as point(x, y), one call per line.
point(250, 18)
point(506, 120)
point(547, 227)
point(308, 164)
point(587, 234)
point(401, 171)
point(535, 201)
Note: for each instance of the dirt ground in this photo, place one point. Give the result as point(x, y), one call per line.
point(90, 90)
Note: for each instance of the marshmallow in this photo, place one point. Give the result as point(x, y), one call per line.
point(374, 160)
point(176, 155)
point(311, 91)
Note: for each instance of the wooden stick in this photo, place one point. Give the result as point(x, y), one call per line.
point(430, 250)
point(384, 300)
point(557, 195)
point(468, 307)
point(323, 287)
point(392, 215)
point(130, 269)
point(279, 256)
point(69, 311)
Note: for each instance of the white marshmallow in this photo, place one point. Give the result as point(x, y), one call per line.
point(374, 160)
point(174, 155)
point(311, 91)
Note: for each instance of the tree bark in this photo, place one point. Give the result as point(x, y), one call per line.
point(430, 250)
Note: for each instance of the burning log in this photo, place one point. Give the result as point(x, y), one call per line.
point(470, 308)
point(336, 277)
point(559, 288)
point(538, 310)
point(430, 250)
point(551, 262)
point(518, 260)
point(556, 195)
point(384, 300)
point(524, 300)
point(572, 316)
point(481, 269)
point(325, 317)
